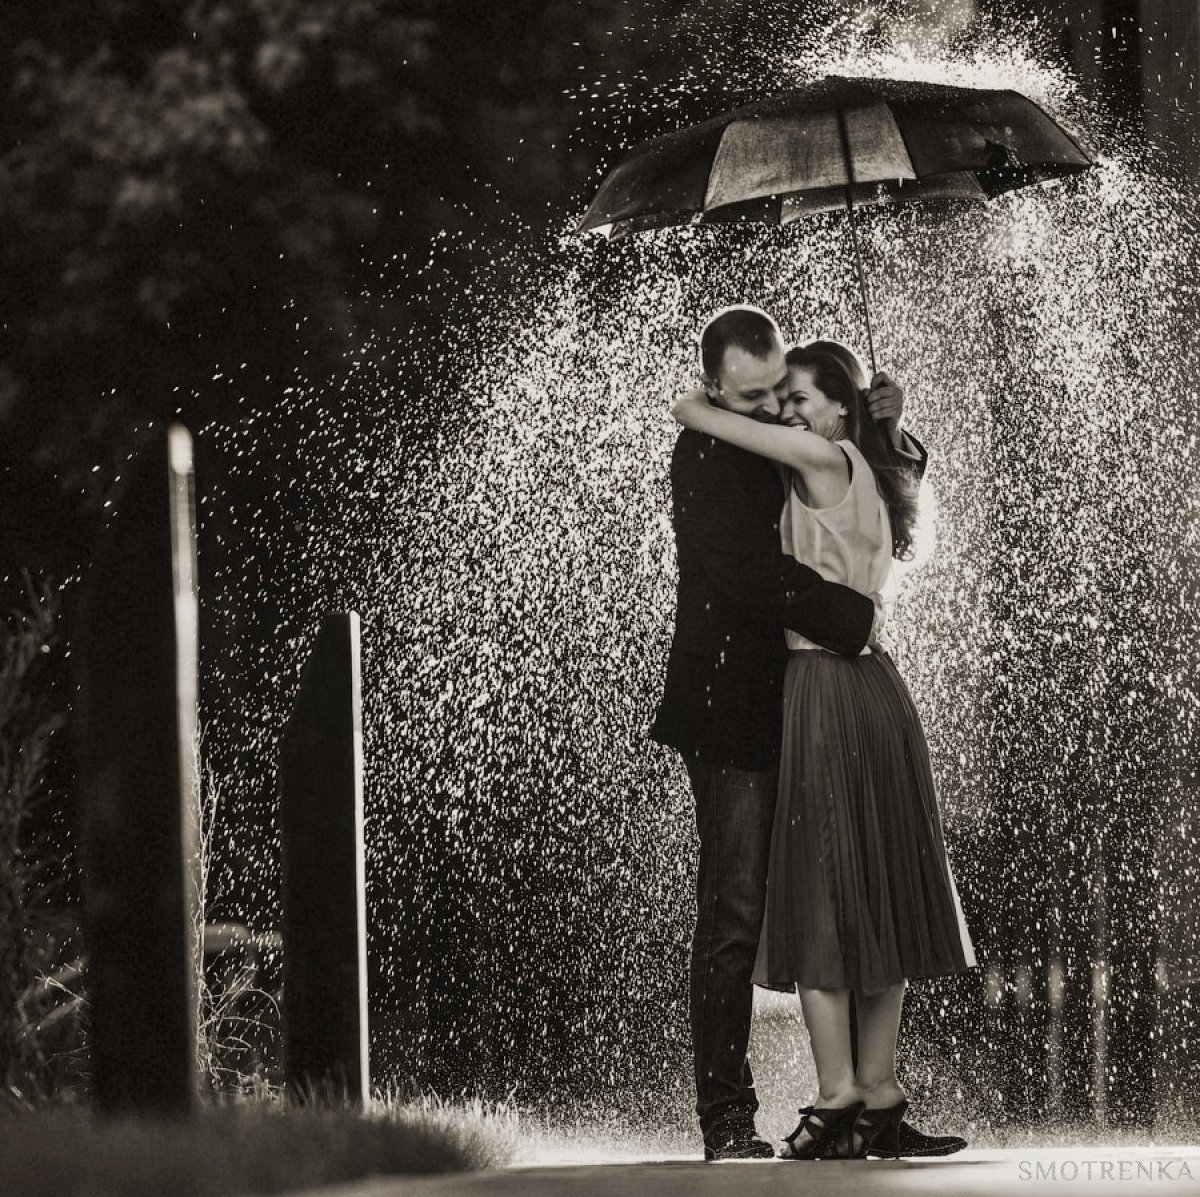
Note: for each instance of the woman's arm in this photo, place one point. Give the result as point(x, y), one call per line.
point(795, 447)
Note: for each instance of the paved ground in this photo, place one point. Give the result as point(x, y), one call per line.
point(1119, 1171)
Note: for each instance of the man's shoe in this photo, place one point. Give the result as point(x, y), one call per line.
point(736, 1141)
point(906, 1142)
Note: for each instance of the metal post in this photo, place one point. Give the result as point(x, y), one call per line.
point(139, 790)
point(324, 888)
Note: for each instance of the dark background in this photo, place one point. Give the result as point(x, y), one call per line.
point(202, 204)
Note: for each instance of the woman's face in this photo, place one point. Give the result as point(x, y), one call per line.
point(807, 407)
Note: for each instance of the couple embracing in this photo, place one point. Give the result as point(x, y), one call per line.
point(823, 869)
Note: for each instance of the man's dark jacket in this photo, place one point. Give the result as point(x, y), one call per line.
point(738, 591)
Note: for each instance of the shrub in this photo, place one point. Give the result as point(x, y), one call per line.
point(39, 1002)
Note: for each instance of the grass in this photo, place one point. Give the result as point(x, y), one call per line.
point(245, 1148)
point(38, 943)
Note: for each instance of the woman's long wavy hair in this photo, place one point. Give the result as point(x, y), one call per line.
point(838, 374)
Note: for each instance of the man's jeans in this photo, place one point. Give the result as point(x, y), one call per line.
point(734, 812)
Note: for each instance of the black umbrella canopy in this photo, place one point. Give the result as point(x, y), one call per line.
point(835, 144)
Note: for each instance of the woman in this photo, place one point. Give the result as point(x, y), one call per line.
point(860, 896)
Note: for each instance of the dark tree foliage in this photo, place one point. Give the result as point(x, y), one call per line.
point(187, 188)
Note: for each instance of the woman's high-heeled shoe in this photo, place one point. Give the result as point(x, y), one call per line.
point(831, 1132)
point(878, 1130)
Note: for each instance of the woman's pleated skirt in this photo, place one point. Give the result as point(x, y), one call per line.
point(860, 894)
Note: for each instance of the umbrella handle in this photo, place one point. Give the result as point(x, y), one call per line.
point(848, 159)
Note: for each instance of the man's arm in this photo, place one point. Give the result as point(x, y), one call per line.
point(832, 615)
point(752, 574)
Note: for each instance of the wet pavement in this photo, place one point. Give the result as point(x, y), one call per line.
point(1121, 1171)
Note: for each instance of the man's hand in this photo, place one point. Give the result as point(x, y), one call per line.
point(873, 640)
point(885, 401)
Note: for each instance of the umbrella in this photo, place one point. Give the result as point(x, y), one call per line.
point(837, 144)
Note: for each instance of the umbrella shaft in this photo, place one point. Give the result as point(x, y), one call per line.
point(862, 277)
point(847, 157)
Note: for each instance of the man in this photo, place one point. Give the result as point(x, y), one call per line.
point(722, 700)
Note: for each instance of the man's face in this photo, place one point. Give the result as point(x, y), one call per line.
point(751, 386)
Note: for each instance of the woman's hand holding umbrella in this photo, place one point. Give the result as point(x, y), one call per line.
point(885, 400)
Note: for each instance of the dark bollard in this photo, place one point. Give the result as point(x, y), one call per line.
point(324, 890)
point(139, 790)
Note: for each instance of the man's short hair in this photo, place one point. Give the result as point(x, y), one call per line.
point(749, 329)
